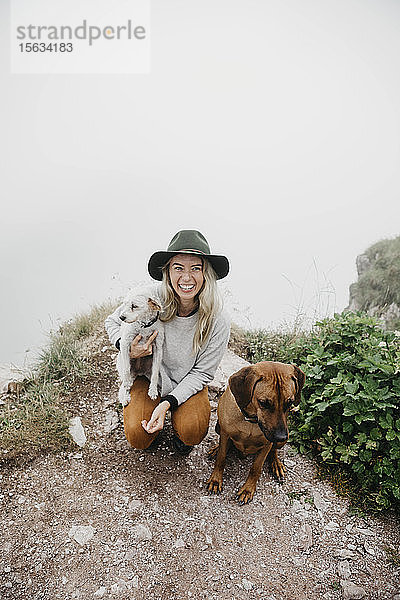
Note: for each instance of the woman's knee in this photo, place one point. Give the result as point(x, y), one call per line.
point(139, 408)
point(137, 436)
point(191, 419)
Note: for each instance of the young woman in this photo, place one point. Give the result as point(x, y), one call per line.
point(196, 336)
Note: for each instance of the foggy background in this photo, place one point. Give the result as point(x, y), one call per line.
point(270, 126)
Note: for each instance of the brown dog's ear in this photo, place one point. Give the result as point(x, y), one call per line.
point(299, 379)
point(153, 304)
point(242, 385)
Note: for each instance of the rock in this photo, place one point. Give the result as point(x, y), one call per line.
point(306, 539)
point(368, 548)
point(141, 533)
point(351, 591)
point(81, 533)
point(331, 526)
point(100, 592)
point(247, 585)
point(110, 421)
point(259, 527)
point(344, 569)
point(179, 543)
point(135, 582)
point(320, 504)
point(344, 554)
point(229, 364)
point(134, 504)
point(77, 432)
point(365, 531)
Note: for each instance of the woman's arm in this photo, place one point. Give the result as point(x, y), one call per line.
point(113, 326)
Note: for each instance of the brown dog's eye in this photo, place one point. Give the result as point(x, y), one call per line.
point(264, 403)
point(288, 404)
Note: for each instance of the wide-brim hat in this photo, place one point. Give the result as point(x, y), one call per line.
point(188, 241)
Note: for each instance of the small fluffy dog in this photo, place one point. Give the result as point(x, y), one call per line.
point(139, 315)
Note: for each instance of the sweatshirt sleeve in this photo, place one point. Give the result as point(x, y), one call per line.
point(207, 361)
point(113, 326)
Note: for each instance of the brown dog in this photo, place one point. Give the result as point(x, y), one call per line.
point(252, 414)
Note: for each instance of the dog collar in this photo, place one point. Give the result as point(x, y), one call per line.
point(145, 325)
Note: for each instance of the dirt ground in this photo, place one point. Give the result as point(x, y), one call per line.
point(107, 521)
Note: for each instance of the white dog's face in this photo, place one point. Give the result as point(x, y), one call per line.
point(140, 307)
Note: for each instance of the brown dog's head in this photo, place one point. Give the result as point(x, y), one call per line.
point(266, 392)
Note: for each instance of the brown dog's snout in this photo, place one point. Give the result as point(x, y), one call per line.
point(279, 436)
point(122, 318)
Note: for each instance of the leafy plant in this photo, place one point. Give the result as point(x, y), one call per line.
point(350, 413)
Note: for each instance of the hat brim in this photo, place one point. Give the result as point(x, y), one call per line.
point(220, 264)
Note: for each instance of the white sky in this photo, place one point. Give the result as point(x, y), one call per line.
point(270, 126)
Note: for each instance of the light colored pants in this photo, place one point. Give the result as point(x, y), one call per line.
point(189, 421)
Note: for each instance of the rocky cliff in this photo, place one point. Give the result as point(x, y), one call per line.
point(377, 290)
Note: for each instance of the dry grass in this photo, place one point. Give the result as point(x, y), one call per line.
point(36, 418)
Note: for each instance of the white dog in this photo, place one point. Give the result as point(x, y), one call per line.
point(139, 315)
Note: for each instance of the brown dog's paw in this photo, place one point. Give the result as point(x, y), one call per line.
point(245, 494)
point(277, 470)
point(214, 484)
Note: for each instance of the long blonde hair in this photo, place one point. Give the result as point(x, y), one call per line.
point(208, 299)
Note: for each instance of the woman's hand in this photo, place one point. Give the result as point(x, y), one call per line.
point(157, 419)
point(138, 350)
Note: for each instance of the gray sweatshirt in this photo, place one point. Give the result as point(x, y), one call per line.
point(182, 372)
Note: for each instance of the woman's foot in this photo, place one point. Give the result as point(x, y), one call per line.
point(180, 447)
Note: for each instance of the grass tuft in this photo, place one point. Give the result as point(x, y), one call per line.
point(36, 419)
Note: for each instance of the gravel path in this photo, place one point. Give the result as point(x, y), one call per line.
point(108, 521)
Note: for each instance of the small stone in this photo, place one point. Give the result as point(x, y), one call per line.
point(7, 569)
point(8, 584)
point(64, 580)
point(208, 540)
point(365, 531)
point(247, 585)
point(135, 582)
point(369, 548)
point(21, 500)
point(331, 526)
point(320, 504)
point(344, 569)
point(100, 592)
point(306, 538)
point(179, 543)
point(141, 533)
point(81, 533)
point(77, 432)
point(110, 421)
point(351, 591)
point(344, 554)
point(259, 527)
point(134, 504)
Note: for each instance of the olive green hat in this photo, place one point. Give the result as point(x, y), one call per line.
point(188, 241)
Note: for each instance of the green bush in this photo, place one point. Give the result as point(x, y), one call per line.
point(350, 412)
point(283, 345)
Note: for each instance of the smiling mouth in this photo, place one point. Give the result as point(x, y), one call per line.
point(186, 288)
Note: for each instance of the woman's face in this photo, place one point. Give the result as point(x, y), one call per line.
point(186, 274)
